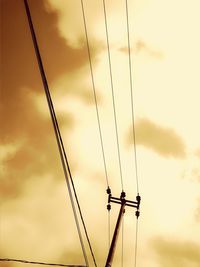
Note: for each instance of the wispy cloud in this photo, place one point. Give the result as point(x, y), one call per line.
point(176, 253)
point(142, 46)
point(161, 140)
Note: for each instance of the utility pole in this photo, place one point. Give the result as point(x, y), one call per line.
point(123, 202)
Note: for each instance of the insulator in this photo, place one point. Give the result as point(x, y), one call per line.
point(137, 213)
point(138, 198)
point(123, 194)
point(108, 191)
point(108, 207)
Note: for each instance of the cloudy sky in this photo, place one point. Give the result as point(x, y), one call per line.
point(36, 220)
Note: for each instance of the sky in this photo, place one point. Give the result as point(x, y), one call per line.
point(36, 219)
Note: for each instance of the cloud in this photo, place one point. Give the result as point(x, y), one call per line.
point(22, 121)
point(18, 57)
point(6, 264)
point(20, 74)
point(41, 217)
point(71, 22)
point(37, 153)
point(176, 253)
point(141, 46)
point(163, 141)
point(25, 121)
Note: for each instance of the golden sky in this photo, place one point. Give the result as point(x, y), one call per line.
point(36, 220)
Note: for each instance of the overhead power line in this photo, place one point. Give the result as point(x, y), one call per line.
point(94, 92)
point(113, 95)
point(108, 229)
point(131, 88)
point(40, 263)
point(136, 243)
point(122, 252)
point(133, 124)
point(61, 148)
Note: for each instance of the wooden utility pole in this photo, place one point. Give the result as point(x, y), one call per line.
point(123, 202)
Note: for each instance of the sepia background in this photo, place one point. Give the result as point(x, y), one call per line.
point(36, 219)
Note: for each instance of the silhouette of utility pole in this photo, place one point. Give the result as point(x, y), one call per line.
point(123, 202)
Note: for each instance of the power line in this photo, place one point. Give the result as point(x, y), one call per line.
point(133, 124)
point(136, 243)
point(40, 263)
point(94, 92)
point(95, 97)
point(59, 138)
point(108, 229)
point(122, 252)
point(53, 117)
point(113, 96)
point(131, 88)
point(73, 186)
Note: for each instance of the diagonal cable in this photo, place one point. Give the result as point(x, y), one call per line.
point(113, 95)
point(72, 182)
point(131, 89)
point(94, 92)
point(58, 135)
point(39, 263)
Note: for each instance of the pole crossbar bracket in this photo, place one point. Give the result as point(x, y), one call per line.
point(122, 200)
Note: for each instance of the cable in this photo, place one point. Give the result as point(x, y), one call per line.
point(73, 186)
point(40, 263)
point(133, 125)
point(136, 243)
point(108, 229)
point(57, 132)
point(94, 91)
point(113, 96)
point(122, 253)
point(51, 109)
point(95, 96)
point(131, 88)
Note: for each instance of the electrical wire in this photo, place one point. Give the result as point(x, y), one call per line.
point(73, 186)
point(40, 263)
point(122, 252)
point(108, 230)
point(133, 124)
point(76, 197)
point(113, 96)
point(131, 89)
point(94, 92)
point(59, 139)
point(96, 106)
point(136, 243)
